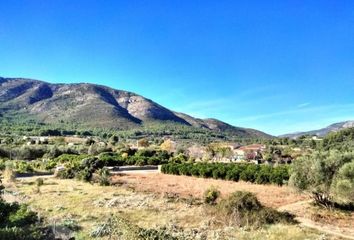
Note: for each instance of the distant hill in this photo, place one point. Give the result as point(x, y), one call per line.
point(323, 131)
point(96, 106)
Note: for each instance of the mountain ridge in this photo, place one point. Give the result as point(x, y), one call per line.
point(95, 105)
point(335, 127)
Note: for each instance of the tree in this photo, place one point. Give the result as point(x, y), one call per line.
point(316, 173)
point(343, 184)
point(167, 145)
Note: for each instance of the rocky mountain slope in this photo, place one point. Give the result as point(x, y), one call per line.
point(95, 106)
point(323, 131)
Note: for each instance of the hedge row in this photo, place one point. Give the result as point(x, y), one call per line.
point(261, 174)
point(139, 158)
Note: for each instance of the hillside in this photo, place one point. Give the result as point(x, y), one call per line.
point(323, 131)
point(96, 106)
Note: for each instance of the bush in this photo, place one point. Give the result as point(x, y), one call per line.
point(103, 177)
point(244, 209)
point(240, 201)
point(211, 195)
point(39, 183)
point(2, 164)
point(23, 167)
point(71, 224)
point(18, 222)
point(16, 233)
point(21, 217)
point(9, 174)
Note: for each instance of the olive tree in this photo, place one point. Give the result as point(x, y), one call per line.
point(317, 174)
point(343, 184)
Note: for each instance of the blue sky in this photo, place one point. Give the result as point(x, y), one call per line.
point(278, 66)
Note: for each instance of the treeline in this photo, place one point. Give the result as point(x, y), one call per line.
point(83, 167)
point(151, 131)
point(36, 152)
point(261, 174)
point(342, 140)
point(133, 157)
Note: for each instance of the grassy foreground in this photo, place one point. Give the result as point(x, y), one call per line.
point(84, 206)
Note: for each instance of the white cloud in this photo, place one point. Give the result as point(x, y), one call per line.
point(302, 105)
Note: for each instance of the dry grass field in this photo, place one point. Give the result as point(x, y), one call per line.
point(269, 195)
point(154, 201)
point(283, 198)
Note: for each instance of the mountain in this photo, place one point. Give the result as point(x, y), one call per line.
point(323, 131)
point(98, 106)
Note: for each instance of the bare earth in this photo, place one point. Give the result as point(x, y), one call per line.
point(341, 226)
point(183, 186)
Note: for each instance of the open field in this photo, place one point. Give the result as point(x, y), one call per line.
point(283, 198)
point(90, 205)
point(269, 195)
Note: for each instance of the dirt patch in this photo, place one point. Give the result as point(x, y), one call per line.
point(183, 186)
point(334, 222)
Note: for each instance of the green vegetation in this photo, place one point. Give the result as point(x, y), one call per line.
point(83, 166)
point(133, 157)
point(342, 140)
point(39, 183)
point(343, 184)
point(243, 209)
point(153, 131)
point(18, 222)
point(328, 176)
point(262, 174)
point(211, 195)
point(103, 177)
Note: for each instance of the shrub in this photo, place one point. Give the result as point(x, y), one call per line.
point(103, 177)
point(84, 175)
point(16, 233)
point(18, 222)
point(71, 224)
point(211, 195)
point(23, 167)
point(244, 209)
point(240, 201)
point(67, 173)
point(2, 164)
point(21, 217)
point(39, 183)
point(9, 174)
